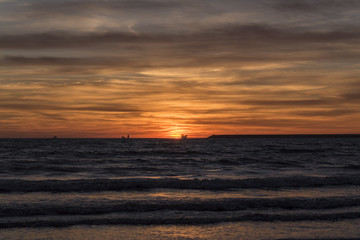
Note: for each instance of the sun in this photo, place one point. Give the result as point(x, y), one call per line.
point(175, 131)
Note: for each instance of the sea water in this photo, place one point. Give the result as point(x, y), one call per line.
point(245, 188)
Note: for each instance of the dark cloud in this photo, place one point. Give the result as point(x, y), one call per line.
point(76, 7)
point(295, 6)
point(351, 96)
point(67, 40)
point(215, 38)
point(289, 103)
point(313, 6)
point(19, 60)
point(228, 45)
point(326, 113)
point(259, 122)
point(56, 107)
point(88, 65)
point(54, 116)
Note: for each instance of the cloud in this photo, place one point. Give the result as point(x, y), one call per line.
point(326, 113)
point(75, 6)
point(66, 40)
point(228, 45)
point(259, 122)
point(288, 103)
point(313, 6)
point(351, 96)
point(20, 60)
point(233, 35)
point(29, 106)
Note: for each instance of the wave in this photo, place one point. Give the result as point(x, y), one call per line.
point(95, 185)
point(69, 221)
point(214, 205)
point(306, 150)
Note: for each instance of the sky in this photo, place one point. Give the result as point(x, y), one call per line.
point(161, 68)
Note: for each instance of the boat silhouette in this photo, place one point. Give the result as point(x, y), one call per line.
point(128, 136)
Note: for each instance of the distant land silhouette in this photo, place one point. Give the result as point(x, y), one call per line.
point(288, 136)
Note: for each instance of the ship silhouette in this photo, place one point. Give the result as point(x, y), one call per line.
point(128, 136)
point(183, 136)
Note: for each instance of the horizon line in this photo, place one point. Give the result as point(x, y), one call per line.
point(211, 136)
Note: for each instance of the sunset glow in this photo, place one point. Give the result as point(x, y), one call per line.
point(166, 68)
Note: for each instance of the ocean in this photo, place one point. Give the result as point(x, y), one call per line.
point(243, 188)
